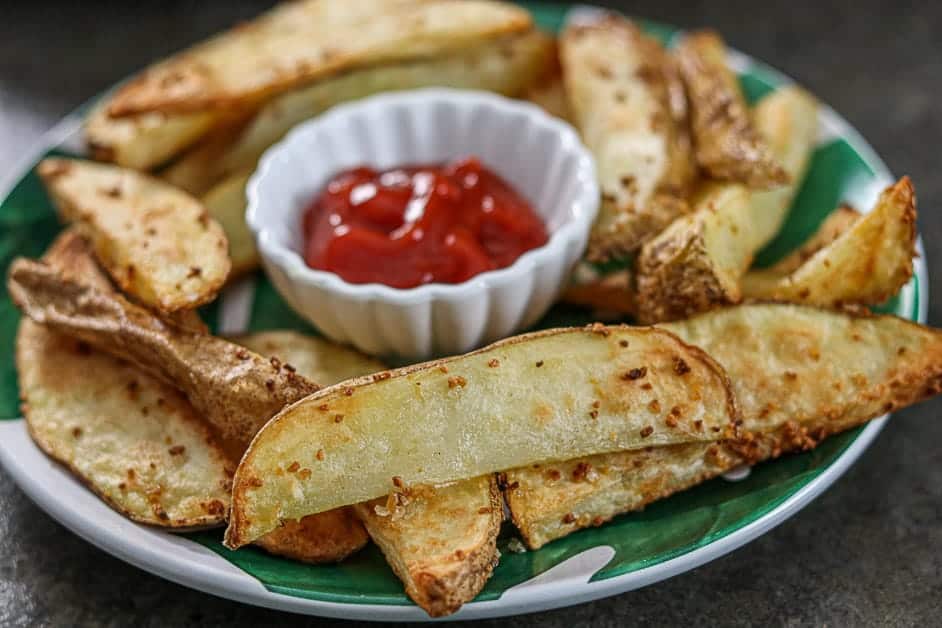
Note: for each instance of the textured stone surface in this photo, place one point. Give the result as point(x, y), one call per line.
point(867, 552)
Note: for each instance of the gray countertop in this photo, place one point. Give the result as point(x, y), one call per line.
point(869, 551)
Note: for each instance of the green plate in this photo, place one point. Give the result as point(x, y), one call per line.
point(669, 537)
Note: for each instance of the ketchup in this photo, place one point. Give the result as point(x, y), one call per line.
point(415, 225)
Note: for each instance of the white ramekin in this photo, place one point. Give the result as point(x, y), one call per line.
point(539, 155)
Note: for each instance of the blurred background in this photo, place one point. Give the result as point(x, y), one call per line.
point(867, 552)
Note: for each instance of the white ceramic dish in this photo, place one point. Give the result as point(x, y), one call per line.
point(540, 155)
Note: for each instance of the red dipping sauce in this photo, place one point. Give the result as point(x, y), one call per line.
point(414, 225)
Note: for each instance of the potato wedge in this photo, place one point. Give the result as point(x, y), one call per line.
point(507, 65)
point(866, 265)
point(441, 541)
point(130, 438)
point(848, 368)
point(146, 140)
point(835, 225)
point(536, 397)
point(157, 242)
point(317, 359)
point(236, 401)
point(299, 42)
point(695, 263)
point(787, 119)
point(234, 389)
point(799, 374)
point(698, 261)
point(226, 203)
point(329, 536)
point(628, 103)
point(325, 537)
point(549, 501)
point(728, 147)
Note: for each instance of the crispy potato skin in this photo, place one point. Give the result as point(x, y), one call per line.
point(799, 374)
point(865, 265)
point(440, 541)
point(299, 42)
point(727, 145)
point(587, 413)
point(626, 98)
point(155, 241)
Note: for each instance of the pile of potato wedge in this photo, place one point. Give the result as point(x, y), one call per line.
point(310, 450)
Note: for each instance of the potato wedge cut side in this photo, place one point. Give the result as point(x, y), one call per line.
point(543, 396)
point(866, 265)
point(440, 541)
point(507, 65)
point(156, 242)
point(298, 42)
point(697, 262)
point(143, 141)
point(727, 145)
point(628, 103)
point(226, 203)
point(848, 368)
point(834, 226)
point(799, 373)
point(787, 119)
point(552, 500)
point(132, 439)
